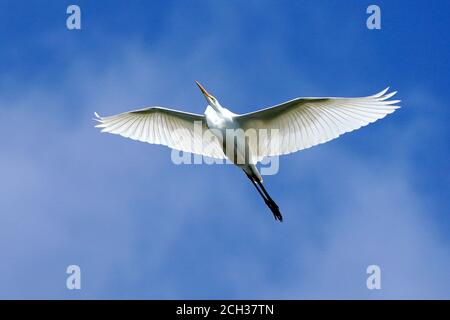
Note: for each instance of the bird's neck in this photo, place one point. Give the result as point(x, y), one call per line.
point(216, 115)
point(221, 111)
point(217, 108)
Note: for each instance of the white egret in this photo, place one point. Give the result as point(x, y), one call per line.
point(299, 124)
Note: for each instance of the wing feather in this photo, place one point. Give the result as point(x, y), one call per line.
point(306, 122)
point(168, 127)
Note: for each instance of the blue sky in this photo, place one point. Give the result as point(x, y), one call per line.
point(142, 227)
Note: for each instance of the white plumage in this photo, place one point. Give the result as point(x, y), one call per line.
point(296, 125)
point(157, 125)
point(305, 122)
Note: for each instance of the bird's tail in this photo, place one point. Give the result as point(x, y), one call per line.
point(267, 199)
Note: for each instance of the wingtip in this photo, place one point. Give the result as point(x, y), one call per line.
point(382, 93)
point(387, 96)
point(379, 94)
point(97, 117)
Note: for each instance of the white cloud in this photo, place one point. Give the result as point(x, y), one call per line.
point(134, 222)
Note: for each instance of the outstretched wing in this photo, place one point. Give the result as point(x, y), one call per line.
point(305, 122)
point(178, 130)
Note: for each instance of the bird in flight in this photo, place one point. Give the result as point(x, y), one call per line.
point(288, 127)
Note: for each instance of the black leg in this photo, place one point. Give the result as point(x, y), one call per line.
point(267, 199)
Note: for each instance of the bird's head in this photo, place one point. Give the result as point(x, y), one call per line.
point(212, 101)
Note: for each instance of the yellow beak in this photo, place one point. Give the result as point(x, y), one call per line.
point(203, 89)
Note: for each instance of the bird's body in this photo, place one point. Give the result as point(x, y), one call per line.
point(221, 122)
point(246, 139)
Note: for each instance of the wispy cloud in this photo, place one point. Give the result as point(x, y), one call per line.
point(141, 227)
